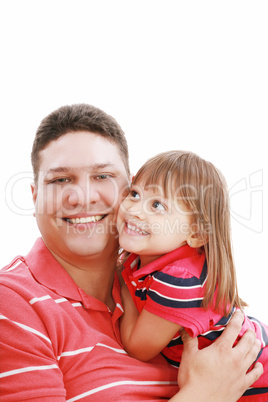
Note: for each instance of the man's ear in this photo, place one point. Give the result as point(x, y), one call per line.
point(34, 192)
point(196, 240)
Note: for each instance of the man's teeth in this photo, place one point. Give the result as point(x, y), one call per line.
point(137, 230)
point(88, 219)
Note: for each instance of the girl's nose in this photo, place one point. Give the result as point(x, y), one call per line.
point(136, 210)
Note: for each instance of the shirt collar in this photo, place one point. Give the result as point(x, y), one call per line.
point(156, 265)
point(47, 271)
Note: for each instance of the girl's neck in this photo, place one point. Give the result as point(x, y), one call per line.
point(147, 259)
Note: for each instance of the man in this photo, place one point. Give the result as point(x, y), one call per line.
point(61, 303)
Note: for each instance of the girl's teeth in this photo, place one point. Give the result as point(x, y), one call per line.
point(137, 230)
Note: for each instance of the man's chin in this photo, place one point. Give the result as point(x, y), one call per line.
point(91, 246)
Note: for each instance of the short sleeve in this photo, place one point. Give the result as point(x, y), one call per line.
point(176, 295)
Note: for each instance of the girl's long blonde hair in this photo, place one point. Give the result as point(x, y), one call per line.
point(202, 189)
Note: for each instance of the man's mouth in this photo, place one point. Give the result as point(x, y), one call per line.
point(87, 219)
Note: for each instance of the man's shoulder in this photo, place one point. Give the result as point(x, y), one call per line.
point(16, 278)
point(19, 269)
point(15, 267)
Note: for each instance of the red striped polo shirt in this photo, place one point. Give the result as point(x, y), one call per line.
point(58, 343)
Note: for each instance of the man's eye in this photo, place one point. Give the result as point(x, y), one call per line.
point(60, 180)
point(158, 205)
point(101, 177)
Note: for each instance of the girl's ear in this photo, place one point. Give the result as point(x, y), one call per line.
point(196, 240)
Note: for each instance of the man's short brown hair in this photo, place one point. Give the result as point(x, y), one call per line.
point(74, 118)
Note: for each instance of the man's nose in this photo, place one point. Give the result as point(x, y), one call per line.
point(82, 194)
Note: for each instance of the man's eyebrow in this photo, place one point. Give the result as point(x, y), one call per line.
point(67, 169)
point(97, 166)
point(60, 169)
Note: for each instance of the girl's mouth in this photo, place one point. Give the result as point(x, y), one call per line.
point(136, 229)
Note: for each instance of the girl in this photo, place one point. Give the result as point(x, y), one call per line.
point(175, 223)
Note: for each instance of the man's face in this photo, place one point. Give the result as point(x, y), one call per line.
point(81, 182)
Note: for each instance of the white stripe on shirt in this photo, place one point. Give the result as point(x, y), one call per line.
point(89, 349)
point(25, 369)
point(119, 383)
point(172, 298)
point(16, 264)
point(37, 299)
point(23, 326)
point(47, 297)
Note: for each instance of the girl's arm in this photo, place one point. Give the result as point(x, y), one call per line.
point(217, 372)
point(143, 335)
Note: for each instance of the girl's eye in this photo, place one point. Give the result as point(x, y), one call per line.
point(158, 205)
point(134, 194)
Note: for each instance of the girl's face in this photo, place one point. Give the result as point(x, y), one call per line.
point(150, 224)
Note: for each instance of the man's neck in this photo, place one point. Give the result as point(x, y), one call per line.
point(95, 277)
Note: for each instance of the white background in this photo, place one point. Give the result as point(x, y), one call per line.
point(189, 75)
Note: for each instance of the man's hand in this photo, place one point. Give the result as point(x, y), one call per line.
point(218, 373)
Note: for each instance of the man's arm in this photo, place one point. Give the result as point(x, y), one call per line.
point(218, 373)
